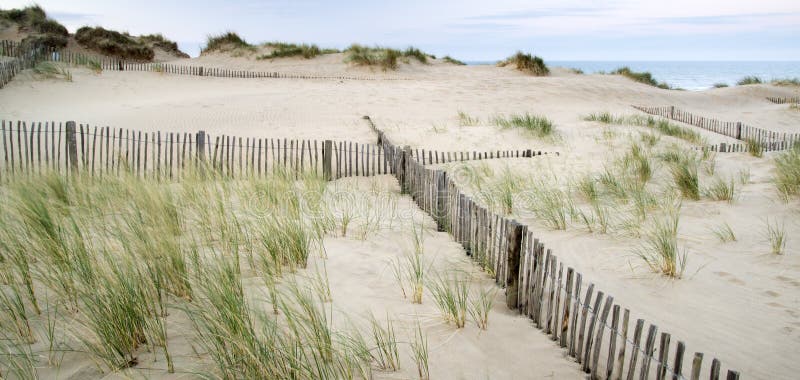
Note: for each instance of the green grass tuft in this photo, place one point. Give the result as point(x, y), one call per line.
point(536, 125)
point(113, 43)
point(749, 80)
point(641, 77)
point(228, 41)
point(453, 61)
point(527, 63)
point(787, 172)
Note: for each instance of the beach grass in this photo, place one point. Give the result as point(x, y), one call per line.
point(660, 249)
point(641, 77)
point(787, 172)
point(775, 233)
point(453, 61)
point(748, 80)
point(532, 124)
point(526, 63)
point(228, 41)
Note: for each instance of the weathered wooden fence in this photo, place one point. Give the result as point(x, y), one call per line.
point(586, 322)
point(24, 57)
point(777, 100)
point(66, 147)
point(769, 140)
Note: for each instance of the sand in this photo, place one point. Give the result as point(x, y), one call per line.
point(737, 301)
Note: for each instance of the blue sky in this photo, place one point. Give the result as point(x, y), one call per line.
point(470, 29)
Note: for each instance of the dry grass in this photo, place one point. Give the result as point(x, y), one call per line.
point(526, 63)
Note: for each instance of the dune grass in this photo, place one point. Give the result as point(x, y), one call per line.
point(119, 257)
point(284, 49)
point(481, 305)
point(387, 59)
point(776, 235)
point(453, 61)
point(660, 249)
point(787, 172)
point(724, 233)
point(641, 77)
point(466, 120)
point(526, 63)
point(535, 125)
point(786, 82)
point(52, 70)
point(662, 125)
point(419, 350)
point(720, 85)
point(113, 43)
point(226, 42)
point(749, 80)
point(722, 190)
point(450, 292)
point(754, 147)
point(41, 29)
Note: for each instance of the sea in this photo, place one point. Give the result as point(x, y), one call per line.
point(690, 75)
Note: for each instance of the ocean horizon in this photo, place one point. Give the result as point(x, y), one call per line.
point(688, 75)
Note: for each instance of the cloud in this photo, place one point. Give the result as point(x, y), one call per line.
point(542, 13)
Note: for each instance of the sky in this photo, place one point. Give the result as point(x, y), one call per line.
point(470, 30)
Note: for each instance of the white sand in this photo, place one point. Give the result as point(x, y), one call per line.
point(737, 301)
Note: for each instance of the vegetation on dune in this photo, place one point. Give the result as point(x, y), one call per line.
point(386, 58)
point(662, 125)
point(526, 63)
point(660, 248)
point(641, 77)
point(536, 125)
point(754, 147)
point(113, 43)
point(226, 42)
point(41, 30)
point(453, 61)
point(786, 82)
point(284, 49)
point(52, 70)
point(720, 85)
point(749, 80)
point(776, 235)
point(365, 56)
point(161, 42)
point(787, 172)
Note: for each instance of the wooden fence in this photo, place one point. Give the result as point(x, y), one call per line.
point(27, 57)
point(769, 140)
point(777, 100)
point(539, 286)
point(36, 147)
point(66, 147)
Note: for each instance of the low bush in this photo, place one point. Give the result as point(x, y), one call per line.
point(113, 43)
point(365, 56)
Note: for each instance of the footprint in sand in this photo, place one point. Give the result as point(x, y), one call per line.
point(788, 280)
point(730, 278)
point(771, 293)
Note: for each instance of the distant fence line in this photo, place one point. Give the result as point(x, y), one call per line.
point(537, 286)
point(26, 57)
point(777, 100)
point(769, 140)
point(68, 147)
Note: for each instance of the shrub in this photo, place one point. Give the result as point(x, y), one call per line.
point(227, 41)
point(641, 77)
point(283, 49)
point(720, 85)
point(527, 63)
point(453, 61)
point(42, 30)
point(539, 126)
point(113, 43)
point(749, 80)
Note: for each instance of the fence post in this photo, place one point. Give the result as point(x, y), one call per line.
point(739, 130)
point(441, 201)
point(515, 232)
point(200, 139)
point(405, 158)
point(672, 112)
point(327, 153)
point(72, 147)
